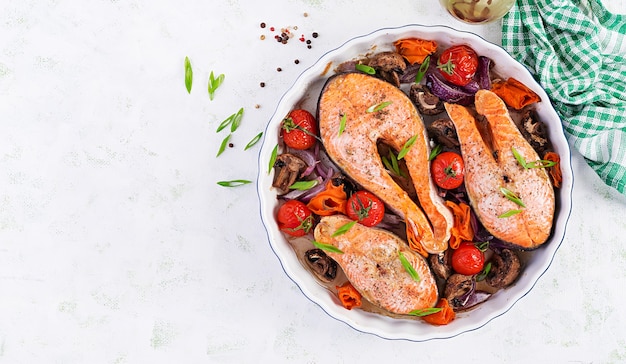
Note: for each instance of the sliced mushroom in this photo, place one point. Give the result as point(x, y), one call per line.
point(389, 66)
point(458, 290)
point(535, 132)
point(288, 169)
point(444, 133)
point(505, 267)
point(425, 101)
point(440, 264)
point(322, 265)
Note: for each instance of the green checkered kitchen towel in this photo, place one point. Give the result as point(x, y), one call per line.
point(576, 50)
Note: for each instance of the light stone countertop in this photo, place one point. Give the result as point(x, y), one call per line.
point(117, 245)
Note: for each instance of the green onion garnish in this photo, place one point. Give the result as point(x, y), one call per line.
point(409, 268)
point(303, 185)
point(435, 152)
point(225, 123)
point(188, 75)
point(509, 214)
point(422, 71)
point(342, 124)
point(483, 274)
point(425, 311)
point(343, 229)
point(327, 247)
point(236, 120)
point(542, 163)
point(273, 159)
point(365, 69)
point(254, 140)
point(223, 145)
point(405, 149)
point(378, 107)
point(234, 183)
point(214, 83)
point(512, 196)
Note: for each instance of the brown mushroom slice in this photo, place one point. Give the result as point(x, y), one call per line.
point(505, 267)
point(444, 133)
point(389, 66)
point(458, 290)
point(534, 131)
point(425, 101)
point(288, 169)
point(321, 264)
point(440, 264)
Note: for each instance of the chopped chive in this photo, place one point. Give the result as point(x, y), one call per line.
point(214, 83)
point(425, 311)
point(343, 229)
point(409, 268)
point(405, 149)
point(435, 152)
point(223, 145)
point(365, 69)
point(254, 140)
point(509, 214)
point(273, 159)
point(303, 185)
point(422, 71)
point(512, 196)
point(188, 75)
point(236, 120)
point(327, 247)
point(342, 124)
point(225, 123)
point(378, 107)
point(234, 183)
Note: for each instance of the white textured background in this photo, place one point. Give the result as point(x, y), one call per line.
point(117, 246)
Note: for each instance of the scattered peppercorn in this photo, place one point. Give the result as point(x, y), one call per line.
point(279, 69)
point(309, 46)
point(308, 41)
point(315, 35)
point(262, 36)
point(230, 145)
point(297, 61)
point(262, 25)
point(262, 84)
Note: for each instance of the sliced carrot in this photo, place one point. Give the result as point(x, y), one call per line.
point(415, 50)
point(414, 242)
point(349, 296)
point(462, 229)
point(555, 170)
point(443, 317)
point(330, 201)
point(514, 93)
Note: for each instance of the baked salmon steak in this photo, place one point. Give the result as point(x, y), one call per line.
point(356, 112)
point(371, 262)
point(514, 203)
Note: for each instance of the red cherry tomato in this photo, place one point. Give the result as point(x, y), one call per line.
point(294, 218)
point(299, 129)
point(458, 64)
point(448, 170)
point(467, 259)
point(366, 208)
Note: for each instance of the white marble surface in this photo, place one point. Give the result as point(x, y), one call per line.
point(118, 246)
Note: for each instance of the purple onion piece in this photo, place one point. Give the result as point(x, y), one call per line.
point(483, 78)
point(472, 87)
point(467, 295)
point(409, 73)
point(306, 195)
point(476, 298)
point(448, 92)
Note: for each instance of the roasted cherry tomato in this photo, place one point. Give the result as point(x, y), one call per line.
point(366, 208)
point(299, 129)
point(458, 64)
point(448, 170)
point(294, 218)
point(467, 259)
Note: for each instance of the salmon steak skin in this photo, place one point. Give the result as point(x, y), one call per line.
point(371, 262)
point(355, 112)
point(493, 174)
